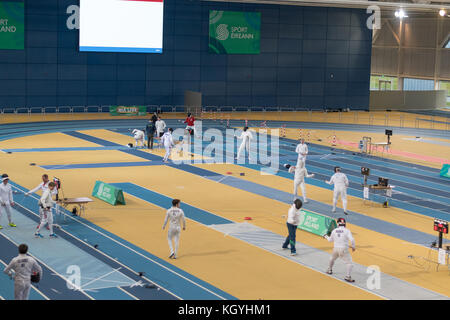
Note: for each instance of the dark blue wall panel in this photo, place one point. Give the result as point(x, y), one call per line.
point(311, 57)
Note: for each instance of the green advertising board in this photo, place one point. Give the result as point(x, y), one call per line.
point(108, 193)
point(445, 171)
point(316, 223)
point(128, 110)
point(234, 32)
point(12, 25)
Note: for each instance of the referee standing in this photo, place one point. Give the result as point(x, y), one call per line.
point(293, 221)
point(150, 128)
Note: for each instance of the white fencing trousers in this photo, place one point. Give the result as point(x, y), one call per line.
point(344, 254)
point(140, 140)
point(167, 155)
point(301, 158)
point(21, 289)
point(7, 208)
point(241, 148)
point(300, 184)
point(340, 191)
point(47, 217)
point(174, 234)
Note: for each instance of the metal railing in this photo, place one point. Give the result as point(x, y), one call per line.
point(418, 121)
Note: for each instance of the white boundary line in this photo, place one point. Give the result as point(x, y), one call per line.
point(233, 222)
point(125, 246)
point(211, 228)
point(44, 264)
point(187, 218)
point(135, 298)
point(109, 257)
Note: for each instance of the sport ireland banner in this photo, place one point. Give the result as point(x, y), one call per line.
point(445, 171)
point(12, 25)
point(108, 193)
point(316, 223)
point(127, 111)
point(233, 32)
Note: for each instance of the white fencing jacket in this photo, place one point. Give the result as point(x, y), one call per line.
point(339, 180)
point(6, 194)
point(23, 266)
point(175, 216)
point(341, 236)
point(43, 186)
point(46, 199)
point(160, 125)
point(300, 173)
point(246, 136)
point(167, 140)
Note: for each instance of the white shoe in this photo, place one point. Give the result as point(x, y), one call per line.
point(305, 201)
point(334, 210)
point(293, 253)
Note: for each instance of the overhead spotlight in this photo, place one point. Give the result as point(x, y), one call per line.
point(442, 13)
point(400, 14)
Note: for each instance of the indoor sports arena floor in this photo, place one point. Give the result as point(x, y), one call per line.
point(122, 251)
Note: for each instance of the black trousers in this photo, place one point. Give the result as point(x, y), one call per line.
point(150, 139)
point(290, 239)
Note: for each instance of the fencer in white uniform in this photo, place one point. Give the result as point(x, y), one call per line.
point(139, 136)
point(300, 173)
point(341, 237)
point(302, 150)
point(22, 266)
point(340, 182)
point(6, 199)
point(167, 142)
point(46, 203)
point(175, 216)
point(42, 186)
point(246, 137)
point(160, 126)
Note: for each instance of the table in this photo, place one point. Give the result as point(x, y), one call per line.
point(387, 191)
point(81, 202)
point(385, 145)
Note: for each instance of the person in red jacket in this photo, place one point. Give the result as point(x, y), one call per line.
point(190, 120)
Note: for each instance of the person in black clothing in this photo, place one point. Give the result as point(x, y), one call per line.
point(154, 117)
point(150, 128)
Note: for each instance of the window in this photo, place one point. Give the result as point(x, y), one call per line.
point(383, 83)
point(418, 84)
point(445, 85)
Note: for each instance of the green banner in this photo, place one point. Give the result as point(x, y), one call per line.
point(108, 193)
point(234, 32)
point(127, 110)
point(12, 25)
point(445, 171)
point(316, 223)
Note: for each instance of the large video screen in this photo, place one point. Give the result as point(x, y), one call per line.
point(121, 25)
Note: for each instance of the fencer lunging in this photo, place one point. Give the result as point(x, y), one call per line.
point(175, 216)
point(167, 142)
point(46, 203)
point(341, 236)
point(340, 182)
point(300, 173)
point(246, 137)
point(139, 136)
